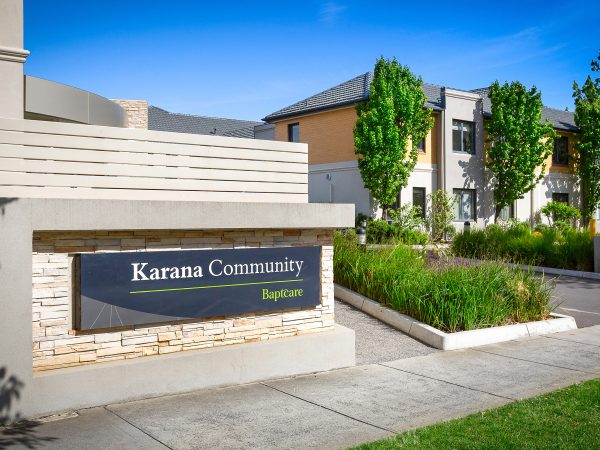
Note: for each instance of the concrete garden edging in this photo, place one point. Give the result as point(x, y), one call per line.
point(452, 341)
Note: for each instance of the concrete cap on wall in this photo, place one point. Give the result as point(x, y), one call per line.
point(49, 100)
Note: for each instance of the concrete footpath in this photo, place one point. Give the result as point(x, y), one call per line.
point(335, 409)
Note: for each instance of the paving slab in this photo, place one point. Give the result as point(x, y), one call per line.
point(243, 417)
point(552, 352)
point(94, 428)
point(589, 336)
point(377, 342)
point(494, 374)
point(387, 397)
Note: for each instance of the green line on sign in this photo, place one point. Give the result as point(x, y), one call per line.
point(214, 286)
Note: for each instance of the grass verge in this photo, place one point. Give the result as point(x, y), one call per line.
point(566, 419)
point(447, 296)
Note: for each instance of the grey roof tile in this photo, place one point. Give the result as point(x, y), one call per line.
point(161, 120)
point(561, 120)
point(357, 89)
point(347, 93)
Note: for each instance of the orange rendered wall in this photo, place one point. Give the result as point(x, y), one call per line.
point(330, 139)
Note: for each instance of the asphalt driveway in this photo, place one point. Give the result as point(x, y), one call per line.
point(579, 298)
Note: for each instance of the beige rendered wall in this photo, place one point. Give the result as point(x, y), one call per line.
point(56, 345)
point(12, 57)
point(330, 139)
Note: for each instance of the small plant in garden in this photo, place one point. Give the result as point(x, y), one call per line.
point(558, 212)
point(407, 217)
point(440, 215)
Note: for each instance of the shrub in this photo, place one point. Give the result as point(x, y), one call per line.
point(440, 215)
point(448, 297)
point(382, 232)
point(561, 213)
point(564, 248)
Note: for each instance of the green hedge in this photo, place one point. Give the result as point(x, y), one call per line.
point(382, 232)
point(448, 297)
point(549, 247)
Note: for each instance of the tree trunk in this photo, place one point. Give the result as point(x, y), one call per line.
point(497, 213)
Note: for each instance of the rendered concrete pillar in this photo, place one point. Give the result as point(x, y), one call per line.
point(597, 253)
point(12, 57)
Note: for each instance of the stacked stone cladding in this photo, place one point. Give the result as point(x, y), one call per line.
point(57, 345)
point(137, 112)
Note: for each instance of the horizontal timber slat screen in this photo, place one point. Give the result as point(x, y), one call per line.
point(49, 159)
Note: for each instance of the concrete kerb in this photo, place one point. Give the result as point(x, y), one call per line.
point(453, 341)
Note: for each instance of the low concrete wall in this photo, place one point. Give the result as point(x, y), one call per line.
point(39, 393)
point(56, 345)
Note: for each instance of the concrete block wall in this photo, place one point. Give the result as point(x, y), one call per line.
point(137, 112)
point(56, 345)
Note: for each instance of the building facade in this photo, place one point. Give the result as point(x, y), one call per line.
point(451, 157)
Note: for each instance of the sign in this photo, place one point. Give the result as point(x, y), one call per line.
point(134, 288)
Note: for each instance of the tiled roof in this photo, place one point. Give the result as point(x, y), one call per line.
point(561, 120)
point(347, 93)
point(357, 90)
point(161, 120)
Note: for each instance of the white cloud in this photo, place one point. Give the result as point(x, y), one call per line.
point(330, 11)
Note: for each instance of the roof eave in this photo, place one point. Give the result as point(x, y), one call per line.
point(277, 117)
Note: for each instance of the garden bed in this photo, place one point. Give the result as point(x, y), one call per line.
point(550, 247)
point(450, 297)
point(453, 341)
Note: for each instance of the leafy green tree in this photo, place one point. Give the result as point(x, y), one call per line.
point(389, 127)
point(519, 141)
point(587, 118)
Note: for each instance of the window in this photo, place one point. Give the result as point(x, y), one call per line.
point(462, 137)
point(464, 208)
point(421, 146)
point(294, 132)
point(560, 197)
point(508, 212)
point(398, 203)
point(560, 155)
point(419, 200)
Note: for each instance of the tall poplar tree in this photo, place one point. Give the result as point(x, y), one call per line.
point(587, 118)
point(389, 127)
point(519, 142)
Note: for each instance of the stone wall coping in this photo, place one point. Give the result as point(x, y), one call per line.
point(83, 214)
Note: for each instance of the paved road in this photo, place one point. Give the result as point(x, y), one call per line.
point(578, 298)
point(333, 409)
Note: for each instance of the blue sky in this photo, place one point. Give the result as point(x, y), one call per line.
point(247, 59)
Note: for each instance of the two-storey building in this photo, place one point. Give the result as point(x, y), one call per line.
point(451, 157)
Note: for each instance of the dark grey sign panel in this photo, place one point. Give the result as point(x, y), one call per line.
point(121, 289)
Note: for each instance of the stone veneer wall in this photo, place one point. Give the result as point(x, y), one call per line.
point(137, 112)
point(56, 345)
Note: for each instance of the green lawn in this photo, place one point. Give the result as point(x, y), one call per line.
point(566, 419)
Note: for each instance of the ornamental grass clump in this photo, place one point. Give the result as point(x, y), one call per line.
point(550, 246)
point(451, 297)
